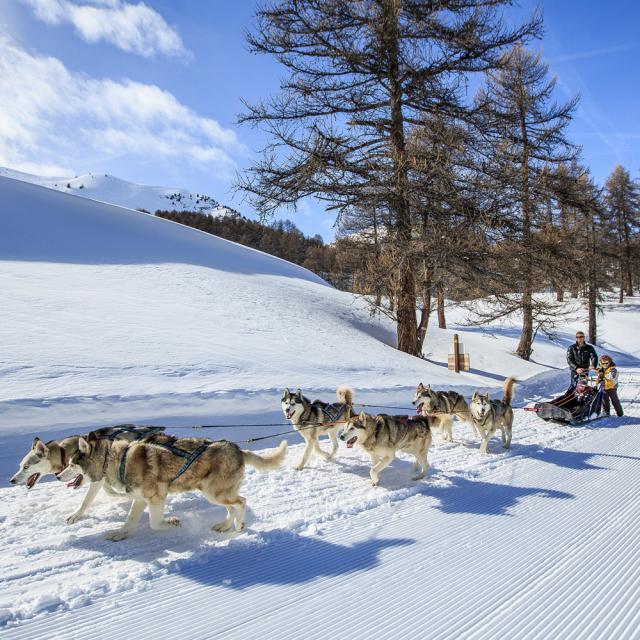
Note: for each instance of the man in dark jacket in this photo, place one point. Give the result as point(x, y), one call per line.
point(581, 356)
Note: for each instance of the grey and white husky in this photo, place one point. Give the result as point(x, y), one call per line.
point(442, 405)
point(383, 435)
point(150, 470)
point(488, 415)
point(317, 418)
point(52, 457)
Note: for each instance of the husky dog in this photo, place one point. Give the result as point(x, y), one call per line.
point(442, 405)
point(149, 471)
point(381, 436)
point(313, 419)
point(488, 415)
point(51, 457)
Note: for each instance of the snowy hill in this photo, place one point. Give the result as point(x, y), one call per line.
point(110, 315)
point(130, 309)
point(106, 188)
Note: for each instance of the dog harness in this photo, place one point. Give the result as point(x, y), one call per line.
point(189, 456)
point(128, 429)
point(334, 417)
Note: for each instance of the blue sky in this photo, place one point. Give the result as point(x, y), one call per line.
point(151, 92)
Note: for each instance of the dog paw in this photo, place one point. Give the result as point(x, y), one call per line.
point(221, 527)
point(299, 467)
point(73, 518)
point(418, 477)
point(375, 483)
point(173, 521)
point(118, 534)
point(240, 526)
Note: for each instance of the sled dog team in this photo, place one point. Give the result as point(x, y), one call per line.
point(145, 464)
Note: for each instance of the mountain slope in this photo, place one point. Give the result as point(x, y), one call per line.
point(106, 188)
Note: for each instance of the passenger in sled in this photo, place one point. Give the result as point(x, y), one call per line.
point(581, 402)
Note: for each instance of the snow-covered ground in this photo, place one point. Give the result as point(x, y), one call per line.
point(106, 188)
point(110, 315)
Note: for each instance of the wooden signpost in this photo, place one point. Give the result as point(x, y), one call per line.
point(458, 360)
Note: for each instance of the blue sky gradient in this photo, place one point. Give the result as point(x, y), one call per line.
point(80, 93)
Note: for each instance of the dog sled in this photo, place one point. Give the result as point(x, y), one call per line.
point(580, 403)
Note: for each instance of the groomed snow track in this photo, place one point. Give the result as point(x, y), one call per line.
point(541, 542)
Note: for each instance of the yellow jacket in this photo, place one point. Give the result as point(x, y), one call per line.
point(609, 375)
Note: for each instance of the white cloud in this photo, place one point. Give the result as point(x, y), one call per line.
point(592, 53)
point(135, 28)
point(50, 116)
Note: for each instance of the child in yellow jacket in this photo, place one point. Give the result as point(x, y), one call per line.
point(608, 373)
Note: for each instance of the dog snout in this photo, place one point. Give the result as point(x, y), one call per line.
point(13, 480)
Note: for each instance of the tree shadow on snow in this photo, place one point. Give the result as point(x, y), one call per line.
point(277, 557)
point(612, 422)
point(460, 495)
point(286, 558)
point(485, 498)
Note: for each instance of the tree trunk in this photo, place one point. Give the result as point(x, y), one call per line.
point(442, 321)
point(627, 251)
point(621, 296)
point(593, 327)
point(560, 295)
point(425, 312)
point(526, 337)
point(406, 303)
point(524, 349)
point(592, 289)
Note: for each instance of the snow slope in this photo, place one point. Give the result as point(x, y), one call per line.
point(106, 188)
point(112, 315)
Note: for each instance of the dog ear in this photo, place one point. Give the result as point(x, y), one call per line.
point(286, 394)
point(92, 438)
point(35, 442)
point(420, 387)
point(363, 416)
point(40, 447)
point(299, 393)
point(84, 446)
point(428, 387)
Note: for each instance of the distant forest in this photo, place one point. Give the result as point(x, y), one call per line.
point(280, 238)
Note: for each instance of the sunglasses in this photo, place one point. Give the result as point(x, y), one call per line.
point(580, 336)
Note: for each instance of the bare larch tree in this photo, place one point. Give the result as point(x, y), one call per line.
point(622, 197)
point(359, 73)
point(526, 132)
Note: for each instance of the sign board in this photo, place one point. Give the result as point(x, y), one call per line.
point(465, 362)
point(458, 360)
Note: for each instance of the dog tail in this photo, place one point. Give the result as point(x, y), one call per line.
point(508, 390)
point(345, 395)
point(269, 462)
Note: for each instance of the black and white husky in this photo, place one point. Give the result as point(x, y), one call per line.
point(317, 418)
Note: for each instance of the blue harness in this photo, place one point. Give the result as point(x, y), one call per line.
point(335, 416)
point(189, 456)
